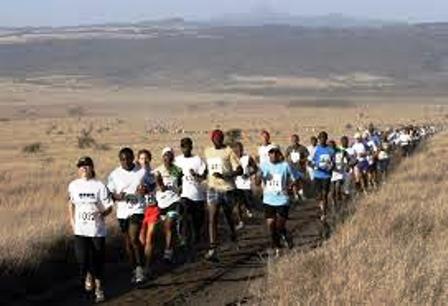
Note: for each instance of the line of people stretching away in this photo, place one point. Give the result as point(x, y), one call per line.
point(185, 194)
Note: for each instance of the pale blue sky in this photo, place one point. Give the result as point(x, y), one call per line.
point(71, 12)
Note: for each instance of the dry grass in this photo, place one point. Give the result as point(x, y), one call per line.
point(392, 251)
point(33, 187)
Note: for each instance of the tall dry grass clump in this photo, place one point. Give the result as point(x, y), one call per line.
point(392, 251)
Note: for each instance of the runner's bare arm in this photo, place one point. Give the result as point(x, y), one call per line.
point(71, 214)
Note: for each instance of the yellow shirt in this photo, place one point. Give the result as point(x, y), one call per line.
point(221, 161)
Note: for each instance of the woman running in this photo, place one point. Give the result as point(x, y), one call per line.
point(125, 184)
point(152, 213)
point(89, 204)
point(168, 179)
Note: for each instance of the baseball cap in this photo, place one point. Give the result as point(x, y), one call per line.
point(272, 147)
point(84, 161)
point(166, 150)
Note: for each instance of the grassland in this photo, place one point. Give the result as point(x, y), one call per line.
point(392, 251)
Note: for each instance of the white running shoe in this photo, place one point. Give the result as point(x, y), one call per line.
point(88, 283)
point(211, 255)
point(240, 226)
point(99, 295)
point(139, 275)
point(168, 255)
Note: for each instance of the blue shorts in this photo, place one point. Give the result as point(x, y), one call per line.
point(363, 165)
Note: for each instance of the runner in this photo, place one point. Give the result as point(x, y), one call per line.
point(279, 180)
point(297, 156)
point(309, 188)
point(152, 213)
point(125, 184)
point(169, 179)
point(223, 166)
point(372, 154)
point(405, 142)
point(339, 173)
point(383, 160)
point(263, 155)
point(89, 204)
point(243, 193)
point(323, 162)
point(351, 163)
point(193, 193)
point(362, 165)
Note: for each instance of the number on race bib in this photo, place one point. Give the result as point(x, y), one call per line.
point(215, 165)
point(274, 185)
point(295, 157)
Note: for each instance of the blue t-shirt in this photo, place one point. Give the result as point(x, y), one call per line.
point(276, 178)
point(323, 162)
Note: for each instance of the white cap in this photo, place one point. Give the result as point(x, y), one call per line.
point(166, 150)
point(357, 136)
point(272, 147)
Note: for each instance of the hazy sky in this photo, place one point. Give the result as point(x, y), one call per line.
point(70, 12)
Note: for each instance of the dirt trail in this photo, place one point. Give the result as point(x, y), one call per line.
point(199, 282)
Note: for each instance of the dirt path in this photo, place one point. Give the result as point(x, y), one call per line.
point(199, 282)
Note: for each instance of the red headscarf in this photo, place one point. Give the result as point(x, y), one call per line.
point(217, 134)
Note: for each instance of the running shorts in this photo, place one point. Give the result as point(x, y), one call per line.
point(270, 211)
point(136, 219)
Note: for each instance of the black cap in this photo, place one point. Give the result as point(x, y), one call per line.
point(84, 161)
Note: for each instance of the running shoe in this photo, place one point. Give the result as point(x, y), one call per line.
point(88, 284)
point(139, 275)
point(99, 295)
point(249, 214)
point(286, 241)
point(240, 226)
point(211, 255)
point(168, 256)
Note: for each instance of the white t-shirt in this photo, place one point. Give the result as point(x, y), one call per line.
point(405, 139)
point(90, 198)
point(121, 180)
point(191, 188)
point(359, 150)
point(171, 195)
point(263, 154)
point(243, 182)
point(312, 151)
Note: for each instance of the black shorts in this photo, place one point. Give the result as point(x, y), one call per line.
point(244, 197)
point(190, 207)
point(171, 211)
point(322, 186)
point(270, 211)
point(136, 219)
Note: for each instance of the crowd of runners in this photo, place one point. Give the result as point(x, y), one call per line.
point(182, 197)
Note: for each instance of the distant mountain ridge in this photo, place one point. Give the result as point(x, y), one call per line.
point(246, 19)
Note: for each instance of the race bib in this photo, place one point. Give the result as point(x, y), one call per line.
point(215, 165)
point(169, 181)
point(325, 162)
point(274, 185)
point(86, 217)
point(295, 157)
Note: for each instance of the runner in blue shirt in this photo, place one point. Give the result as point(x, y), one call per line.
point(279, 180)
point(323, 162)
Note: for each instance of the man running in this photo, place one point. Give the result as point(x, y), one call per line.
point(360, 151)
point(223, 167)
point(125, 184)
point(193, 193)
point(263, 155)
point(279, 180)
point(339, 173)
point(297, 156)
point(323, 162)
point(243, 192)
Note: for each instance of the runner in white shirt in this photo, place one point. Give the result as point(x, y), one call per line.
point(350, 155)
point(125, 184)
point(263, 155)
point(362, 165)
point(169, 181)
point(308, 187)
point(405, 142)
point(89, 204)
point(243, 192)
point(193, 192)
